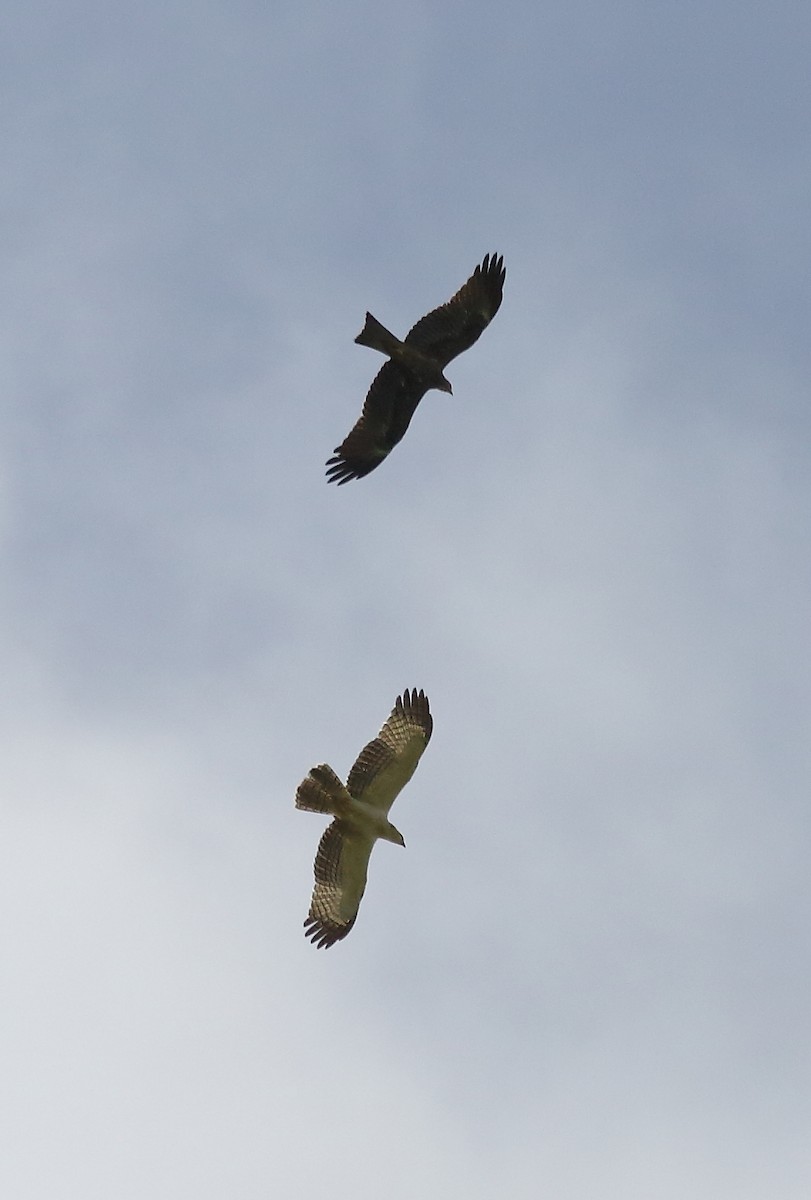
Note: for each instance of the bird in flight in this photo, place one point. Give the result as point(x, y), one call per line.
point(415, 365)
point(360, 811)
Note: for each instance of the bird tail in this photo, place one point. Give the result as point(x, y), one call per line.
point(378, 337)
point(322, 792)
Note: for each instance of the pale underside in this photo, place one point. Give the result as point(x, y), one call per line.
point(360, 811)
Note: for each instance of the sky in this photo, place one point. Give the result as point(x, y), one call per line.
point(588, 974)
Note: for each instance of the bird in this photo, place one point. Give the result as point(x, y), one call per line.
point(415, 365)
point(360, 811)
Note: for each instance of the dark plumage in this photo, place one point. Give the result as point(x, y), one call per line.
point(415, 365)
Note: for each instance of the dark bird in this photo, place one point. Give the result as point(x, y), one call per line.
point(360, 810)
point(414, 366)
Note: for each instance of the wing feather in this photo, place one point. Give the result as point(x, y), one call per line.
point(341, 867)
point(387, 411)
point(455, 326)
point(386, 764)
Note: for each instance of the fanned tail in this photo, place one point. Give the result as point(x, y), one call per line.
point(322, 792)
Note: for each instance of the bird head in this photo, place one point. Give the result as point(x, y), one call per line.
point(394, 835)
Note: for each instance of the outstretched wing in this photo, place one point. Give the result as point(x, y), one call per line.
point(341, 866)
point(384, 767)
point(387, 411)
point(395, 392)
point(455, 326)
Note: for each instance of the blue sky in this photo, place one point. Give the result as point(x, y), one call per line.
point(588, 973)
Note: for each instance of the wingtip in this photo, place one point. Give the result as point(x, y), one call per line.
point(339, 470)
point(415, 703)
point(323, 934)
point(493, 264)
point(342, 470)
